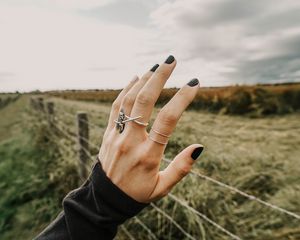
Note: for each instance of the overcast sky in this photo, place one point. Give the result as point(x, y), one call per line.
point(85, 44)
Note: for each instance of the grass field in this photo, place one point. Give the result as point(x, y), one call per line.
point(258, 155)
point(31, 192)
point(254, 101)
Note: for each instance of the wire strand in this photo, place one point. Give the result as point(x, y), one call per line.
point(183, 203)
point(146, 228)
point(89, 142)
point(172, 221)
point(128, 234)
point(91, 124)
point(249, 196)
point(62, 127)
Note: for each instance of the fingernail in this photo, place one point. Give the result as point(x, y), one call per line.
point(196, 153)
point(154, 68)
point(194, 82)
point(170, 59)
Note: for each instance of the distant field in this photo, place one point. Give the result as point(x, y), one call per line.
point(257, 155)
point(251, 100)
point(6, 99)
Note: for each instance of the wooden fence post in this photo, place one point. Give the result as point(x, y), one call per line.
point(41, 104)
point(83, 138)
point(50, 113)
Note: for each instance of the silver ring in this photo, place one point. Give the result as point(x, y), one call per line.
point(122, 119)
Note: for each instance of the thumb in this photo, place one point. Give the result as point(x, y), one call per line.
point(177, 169)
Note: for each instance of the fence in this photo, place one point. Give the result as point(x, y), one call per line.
point(85, 159)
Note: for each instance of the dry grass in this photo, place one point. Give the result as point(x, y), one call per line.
point(259, 156)
point(251, 100)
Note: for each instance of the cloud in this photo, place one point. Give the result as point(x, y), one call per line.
point(129, 12)
point(47, 49)
point(63, 4)
point(101, 44)
point(79, 4)
point(256, 40)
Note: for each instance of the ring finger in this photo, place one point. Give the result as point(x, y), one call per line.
point(169, 115)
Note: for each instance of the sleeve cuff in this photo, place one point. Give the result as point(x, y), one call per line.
point(112, 195)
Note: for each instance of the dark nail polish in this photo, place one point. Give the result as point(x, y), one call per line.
point(154, 68)
point(196, 153)
point(194, 82)
point(170, 59)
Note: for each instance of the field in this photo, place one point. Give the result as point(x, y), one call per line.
point(254, 101)
point(259, 156)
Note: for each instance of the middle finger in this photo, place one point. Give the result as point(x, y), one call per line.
point(149, 94)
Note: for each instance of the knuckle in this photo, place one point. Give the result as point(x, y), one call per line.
point(162, 73)
point(169, 117)
point(128, 100)
point(149, 165)
point(144, 98)
point(148, 162)
point(122, 147)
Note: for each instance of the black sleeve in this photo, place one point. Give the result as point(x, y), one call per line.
point(92, 211)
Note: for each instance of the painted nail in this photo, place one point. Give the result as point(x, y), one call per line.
point(196, 153)
point(170, 59)
point(194, 82)
point(154, 68)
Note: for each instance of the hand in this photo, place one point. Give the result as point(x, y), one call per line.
point(131, 159)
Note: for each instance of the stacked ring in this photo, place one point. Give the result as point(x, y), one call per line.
point(159, 133)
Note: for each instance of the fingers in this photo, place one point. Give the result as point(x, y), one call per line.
point(117, 103)
point(169, 115)
point(149, 94)
point(129, 98)
point(176, 170)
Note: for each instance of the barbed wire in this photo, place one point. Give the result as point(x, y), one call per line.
point(146, 228)
point(70, 115)
point(62, 146)
point(65, 115)
point(183, 203)
point(92, 124)
point(81, 137)
point(172, 221)
point(87, 166)
point(127, 233)
point(59, 125)
point(88, 142)
point(73, 117)
point(68, 135)
point(249, 196)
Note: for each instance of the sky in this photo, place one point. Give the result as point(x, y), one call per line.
point(103, 44)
